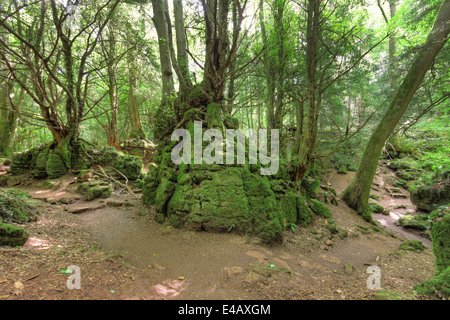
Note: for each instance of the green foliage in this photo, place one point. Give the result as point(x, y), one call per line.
point(439, 285)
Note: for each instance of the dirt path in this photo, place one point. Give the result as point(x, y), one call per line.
point(124, 254)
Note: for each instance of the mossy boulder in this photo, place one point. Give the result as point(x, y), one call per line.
point(320, 209)
point(222, 198)
point(85, 175)
point(127, 165)
point(40, 171)
point(55, 166)
point(18, 206)
point(12, 236)
point(409, 222)
point(95, 189)
point(25, 161)
point(375, 207)
point(430, 197)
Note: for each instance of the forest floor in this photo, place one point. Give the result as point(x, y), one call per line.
point(123, 253)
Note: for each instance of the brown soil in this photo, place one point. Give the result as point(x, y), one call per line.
point(124, 254)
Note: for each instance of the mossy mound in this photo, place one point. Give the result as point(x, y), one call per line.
point(41, 161)
point(320, 209)
point(430, 197)
point(12, 236)
point(17, 206)
point(95, 189)
point(25, 161)
point(223, 198)
point(127, 165)
point(412, 245)
point(55, 166)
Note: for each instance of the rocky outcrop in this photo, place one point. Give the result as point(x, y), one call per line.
point(430, 197)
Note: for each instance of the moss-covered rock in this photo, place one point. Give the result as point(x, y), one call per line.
point(320, 209)
point(375, 207)
point(128, 165)
point(40, 171)
point(95, 189)
point(430, 197)
point(305, 214)
point(411, 223)
point(85, 175)
point(25, 161)
point(16, 205)
point(412, 245)
point(55, 166)
point(12, 236)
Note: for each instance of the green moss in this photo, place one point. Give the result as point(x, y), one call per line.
point(305, 214)
point(95, 189)
point(12, 236)
point(311, 185)
point(411, 223)
point(412, 245)
point(440, 237)
point(16, 205)
point(55, 166)
point(439, 284)
point(320, 209)
point(375, 207)
point(332, 227)
point(84, 175)
point(130, 166)
point(342, 170)
point(41, 165)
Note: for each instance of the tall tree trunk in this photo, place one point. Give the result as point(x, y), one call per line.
point(159, 19)
point(182, 56)
point(8, 116)
point(308, 139)
point(357, 194)
point(135, 120)
point(217, 46)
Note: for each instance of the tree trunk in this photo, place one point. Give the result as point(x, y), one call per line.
point(161, 25)
point(357, 194)
point(135, 121)
point(182, 56)
point(307, 143)
point(8, 117)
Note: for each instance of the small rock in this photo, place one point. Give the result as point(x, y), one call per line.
point(329, 243)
